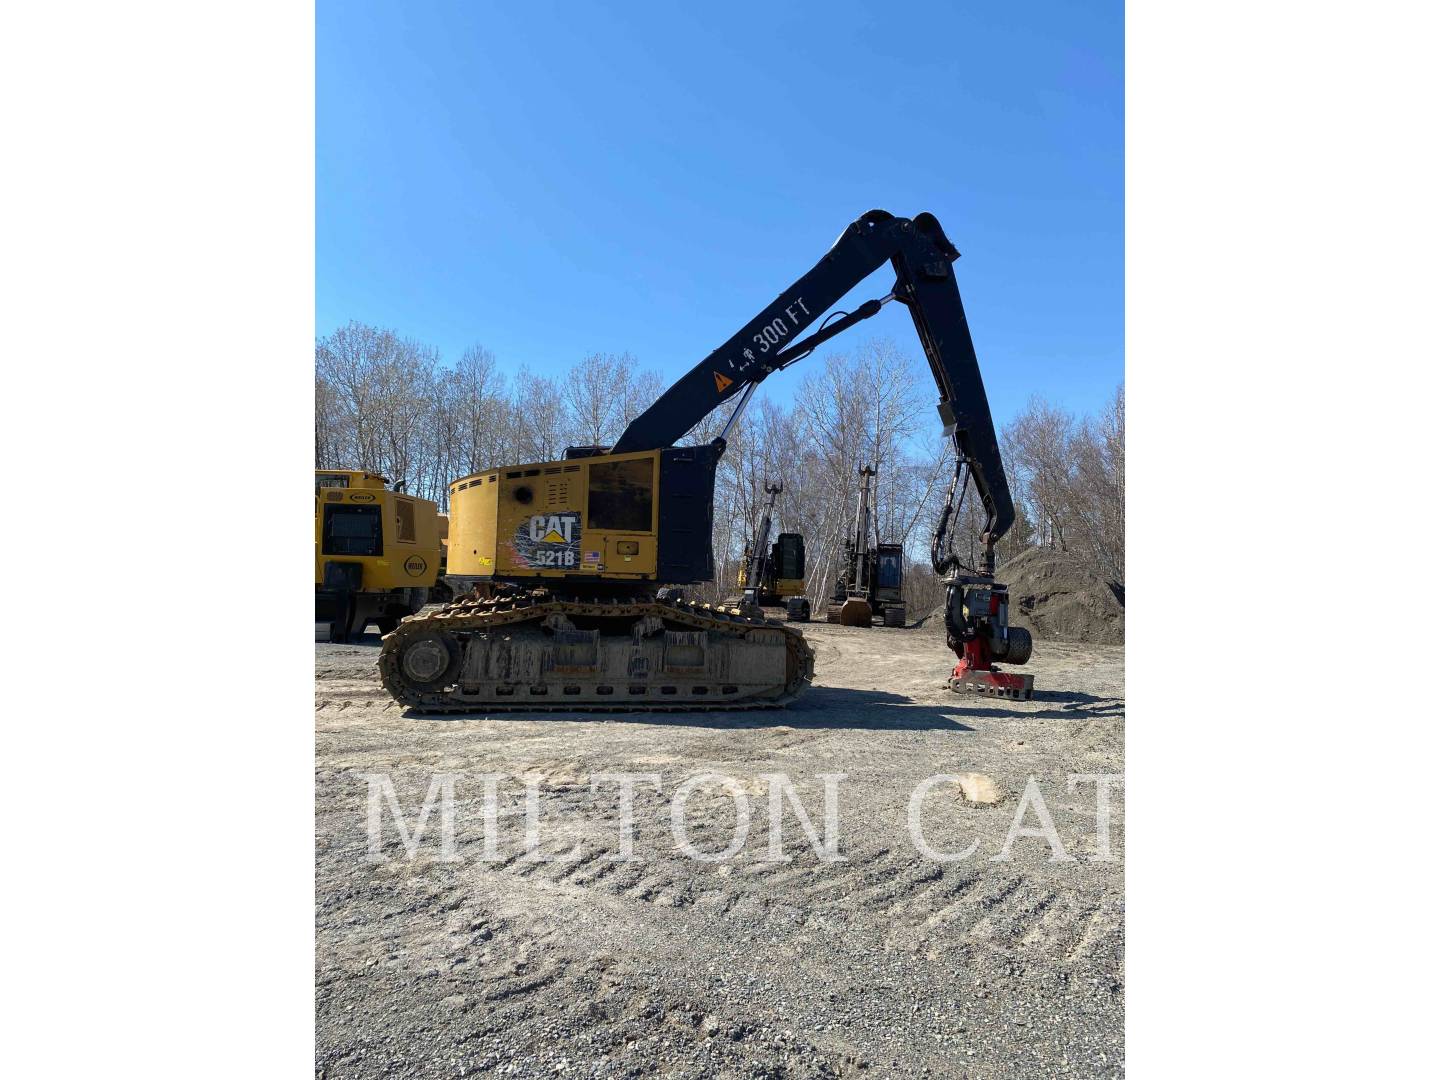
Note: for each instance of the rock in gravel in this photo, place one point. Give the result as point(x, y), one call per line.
point(978, 788)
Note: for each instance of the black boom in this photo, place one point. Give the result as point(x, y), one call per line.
point(924, 282)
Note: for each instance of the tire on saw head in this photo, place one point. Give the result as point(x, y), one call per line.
point(1017, 647)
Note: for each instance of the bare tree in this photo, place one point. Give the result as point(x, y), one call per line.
point(345, 362)
point(1039, 444)
point(539, 419)
point(642, 388)
point(483, 415)
point(1097, 497)
point(328, 426)
point(593, 395)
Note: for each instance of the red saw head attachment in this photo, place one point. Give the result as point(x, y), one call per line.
point(977, 628)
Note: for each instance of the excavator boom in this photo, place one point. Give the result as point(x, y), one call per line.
point(921, 256)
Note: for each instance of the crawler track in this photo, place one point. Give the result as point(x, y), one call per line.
point(536, 650)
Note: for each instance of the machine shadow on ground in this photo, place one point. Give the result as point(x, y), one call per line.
point(829, 707)
point(821, 708)
point(1073, 705)
point(1079, 703)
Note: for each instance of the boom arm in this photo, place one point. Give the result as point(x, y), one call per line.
point(924, 282)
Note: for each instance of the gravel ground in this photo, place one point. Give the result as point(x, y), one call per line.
point(888, 963)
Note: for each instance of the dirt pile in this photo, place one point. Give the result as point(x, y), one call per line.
point(1057, 598)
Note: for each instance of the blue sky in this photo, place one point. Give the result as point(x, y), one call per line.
point(552, 179)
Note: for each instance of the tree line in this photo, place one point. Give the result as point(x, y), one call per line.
point(392, 405)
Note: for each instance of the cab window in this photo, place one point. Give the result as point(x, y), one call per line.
point(352, 530)
point(620, 495)
point(889, 571)
point(404, 521)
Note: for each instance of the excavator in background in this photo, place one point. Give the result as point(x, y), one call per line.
point(871, 582)
point(570, 555)
point(773, 575)
point(377, 552)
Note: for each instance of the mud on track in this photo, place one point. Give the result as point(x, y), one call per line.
point(886, 964)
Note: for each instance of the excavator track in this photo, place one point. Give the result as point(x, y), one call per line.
point(533, 649)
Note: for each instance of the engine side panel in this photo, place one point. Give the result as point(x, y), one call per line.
point(607, 517)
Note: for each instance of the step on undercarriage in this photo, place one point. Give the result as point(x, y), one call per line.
point(533, 649)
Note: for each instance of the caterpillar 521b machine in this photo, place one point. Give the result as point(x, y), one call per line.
point(570, 554)
point(377, 552)
point(773, 575)
point(871, 581)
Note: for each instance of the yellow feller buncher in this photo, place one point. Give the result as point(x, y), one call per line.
point(567, 558)
point(377, 553)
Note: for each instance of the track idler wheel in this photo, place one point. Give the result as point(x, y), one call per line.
point(430, 661)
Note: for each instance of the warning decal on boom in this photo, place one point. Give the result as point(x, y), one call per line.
point(721, 382)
